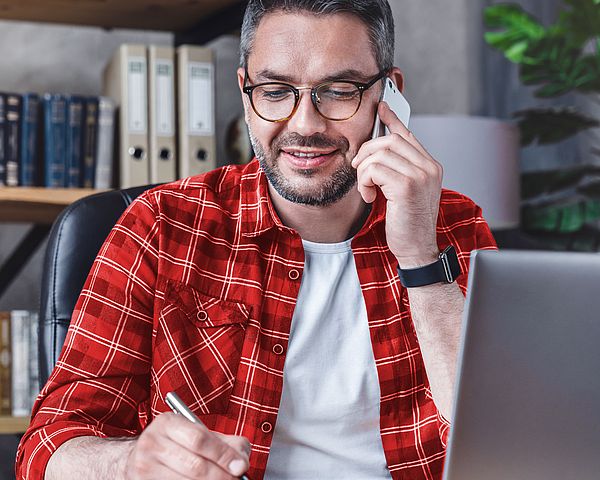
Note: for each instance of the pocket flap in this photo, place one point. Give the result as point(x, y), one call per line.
point(205, 311)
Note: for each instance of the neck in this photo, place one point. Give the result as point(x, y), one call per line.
point(329, 224)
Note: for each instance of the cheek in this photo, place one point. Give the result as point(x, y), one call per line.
point(264, 132)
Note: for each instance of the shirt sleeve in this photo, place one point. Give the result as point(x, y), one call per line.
point(100, 385)
point(464, 227)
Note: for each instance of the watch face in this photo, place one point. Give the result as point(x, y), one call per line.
point(450, 264)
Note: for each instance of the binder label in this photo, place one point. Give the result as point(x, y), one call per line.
point(136, 94)
point(165, 98)
point(200, 94)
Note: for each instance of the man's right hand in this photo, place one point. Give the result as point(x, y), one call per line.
point(172, 447)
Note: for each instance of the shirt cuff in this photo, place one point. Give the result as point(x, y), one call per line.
point(37, 446)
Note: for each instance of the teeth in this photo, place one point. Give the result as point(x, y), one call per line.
point(306, 155)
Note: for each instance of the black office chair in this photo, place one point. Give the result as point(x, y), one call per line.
point(74, 241)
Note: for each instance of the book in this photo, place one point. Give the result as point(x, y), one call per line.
point(54, 127)
point(74, 140)
point(20, 331)
point(89, 147)
point(161, 120)
point(197, 150)
point(126, 83)
point(33, 360)
point(29, 161)
point(105, 145)
point(12, 132)
point(5, 364)
point(2, 135)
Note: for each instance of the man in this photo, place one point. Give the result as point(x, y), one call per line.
point(268, 296)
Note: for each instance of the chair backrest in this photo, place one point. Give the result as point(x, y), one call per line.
point(74, 241)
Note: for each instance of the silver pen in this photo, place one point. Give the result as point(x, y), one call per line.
point(182, 409)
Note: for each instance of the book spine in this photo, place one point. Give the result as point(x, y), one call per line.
point(20, 333)
point(90, 142)
point(73, 141)
point(2, 135)
point(54, 140)
point(105, 144)
point(28, 167)
point(34, 375)
point(5, 364)
point(12, 140)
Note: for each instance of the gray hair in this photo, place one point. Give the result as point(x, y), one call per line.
point(376, 15)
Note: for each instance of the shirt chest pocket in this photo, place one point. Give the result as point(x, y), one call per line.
point(198, 347)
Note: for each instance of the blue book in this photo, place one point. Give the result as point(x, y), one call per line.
point(73, 140)
point(55, 126)
point(2, 128)
point(30, 146)
point(12, 132)
point(90, 136)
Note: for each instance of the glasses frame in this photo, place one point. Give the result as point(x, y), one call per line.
point(361, 86)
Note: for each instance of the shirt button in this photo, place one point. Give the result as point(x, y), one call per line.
point(202, 315)
point(266, 427)
point(277, 349)
point(294, 274)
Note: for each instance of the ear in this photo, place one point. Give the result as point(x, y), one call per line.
point(240, 76)
point(396, 75)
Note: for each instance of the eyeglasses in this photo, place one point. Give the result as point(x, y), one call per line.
point(336, 100)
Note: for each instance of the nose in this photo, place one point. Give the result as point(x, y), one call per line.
point(306, 120)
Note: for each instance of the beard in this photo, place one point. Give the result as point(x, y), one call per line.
point(306, 191)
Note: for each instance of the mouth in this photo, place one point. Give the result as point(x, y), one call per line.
point(307, 158)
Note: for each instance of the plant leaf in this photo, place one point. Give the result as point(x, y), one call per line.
point(550, 125)
point(519, 29)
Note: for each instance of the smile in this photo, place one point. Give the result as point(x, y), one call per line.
point(307, 159)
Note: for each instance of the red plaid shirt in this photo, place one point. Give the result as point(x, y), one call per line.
point(194, 291)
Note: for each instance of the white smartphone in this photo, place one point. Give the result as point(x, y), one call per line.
point(399, 105)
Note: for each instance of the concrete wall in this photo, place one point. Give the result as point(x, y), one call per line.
point(437, 47)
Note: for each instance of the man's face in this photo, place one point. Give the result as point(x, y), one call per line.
point(307, 158)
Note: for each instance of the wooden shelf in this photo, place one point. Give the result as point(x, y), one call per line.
point(36, 204)
point(172, 15)
point(13, 424)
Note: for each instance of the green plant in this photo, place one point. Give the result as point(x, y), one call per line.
point(558, 59)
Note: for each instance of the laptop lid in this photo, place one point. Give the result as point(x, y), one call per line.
point(527, 403)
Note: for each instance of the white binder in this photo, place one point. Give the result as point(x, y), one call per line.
point(196, 110)
point(161, 125)
point(126, 82)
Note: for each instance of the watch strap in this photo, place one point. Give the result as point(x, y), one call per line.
point(445, 270)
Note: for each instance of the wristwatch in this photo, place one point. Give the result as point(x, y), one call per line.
point(445, 270)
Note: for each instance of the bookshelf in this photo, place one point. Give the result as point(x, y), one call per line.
point(37, 204)
point(13, 425)
point(192, 21)
point(167, 15)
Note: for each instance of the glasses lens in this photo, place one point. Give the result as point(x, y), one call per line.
point(273, 101)
point(338, 100)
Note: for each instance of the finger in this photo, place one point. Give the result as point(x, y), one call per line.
point(393, 142)
point(157, 469)
point(181, 463)
point(378, 176)
point(200, 441)
point(394, 162)
point(241, 444)
point(395, 125)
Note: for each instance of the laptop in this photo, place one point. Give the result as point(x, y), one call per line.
point(527, 403)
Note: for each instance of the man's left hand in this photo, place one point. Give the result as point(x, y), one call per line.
point(411, 181)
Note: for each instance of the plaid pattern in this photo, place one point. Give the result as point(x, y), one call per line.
point(194, 291)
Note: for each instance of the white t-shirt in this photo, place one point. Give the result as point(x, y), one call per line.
point(328, 421)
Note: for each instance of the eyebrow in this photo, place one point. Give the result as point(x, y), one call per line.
point(347, 74)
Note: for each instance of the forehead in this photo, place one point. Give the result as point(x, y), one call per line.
point(308, 47)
